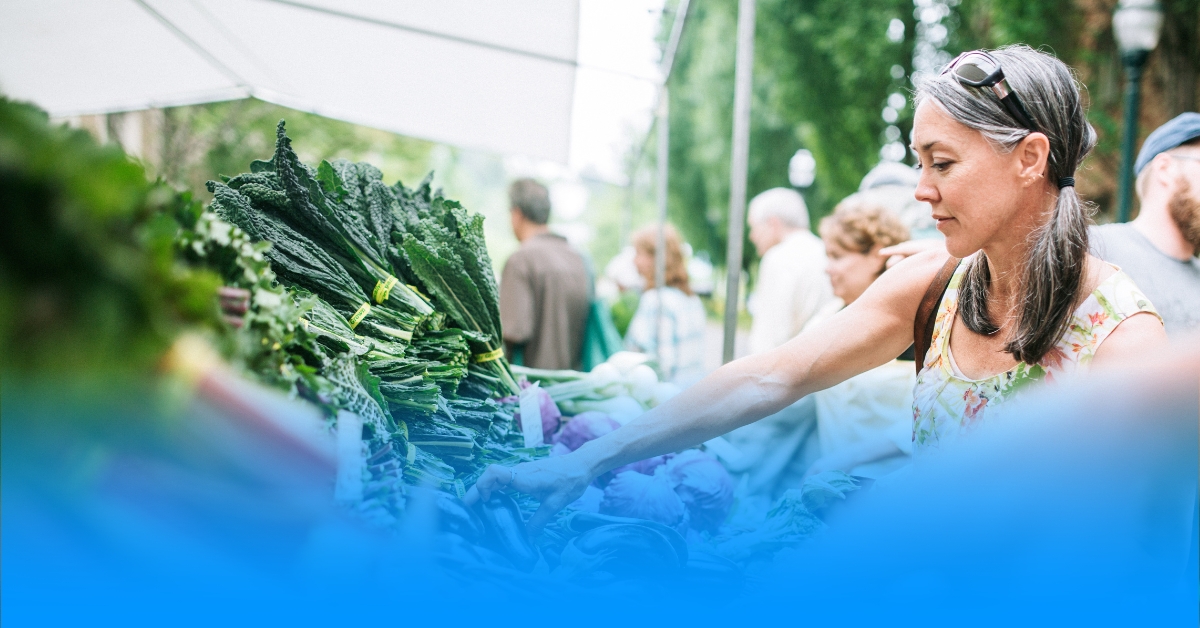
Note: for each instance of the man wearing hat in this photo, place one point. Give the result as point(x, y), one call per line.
point(1158, 249)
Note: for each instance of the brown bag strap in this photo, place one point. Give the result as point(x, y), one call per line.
point(927, 311)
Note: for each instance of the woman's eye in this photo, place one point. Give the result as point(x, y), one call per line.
point(941, 166)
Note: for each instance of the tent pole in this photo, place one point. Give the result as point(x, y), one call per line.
point(664, 153)
point(743, 77)
point(660, 247)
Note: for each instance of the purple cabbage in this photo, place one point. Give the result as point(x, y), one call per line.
point(584, 427)
point(645, 467)
point(651, 497)
point(704, 487)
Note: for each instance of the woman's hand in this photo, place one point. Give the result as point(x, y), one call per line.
point(556, 482)
point(897, 253)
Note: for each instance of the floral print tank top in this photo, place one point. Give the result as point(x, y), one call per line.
point(947, 404)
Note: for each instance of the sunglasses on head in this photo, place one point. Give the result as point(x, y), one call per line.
point(980, 69)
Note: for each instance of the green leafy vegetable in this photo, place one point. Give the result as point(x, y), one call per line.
point(443, 248)
point(332, 225)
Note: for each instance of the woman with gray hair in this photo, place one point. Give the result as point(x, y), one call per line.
point(999, 135)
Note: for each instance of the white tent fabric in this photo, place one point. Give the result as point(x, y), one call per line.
point(496, 75)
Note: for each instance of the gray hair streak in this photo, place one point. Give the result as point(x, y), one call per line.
point(1052, 280)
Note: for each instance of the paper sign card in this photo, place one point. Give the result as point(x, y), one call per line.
point(531, 417)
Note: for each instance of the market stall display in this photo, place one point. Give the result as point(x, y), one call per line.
point(438, 397)
point(374, 307)
point(395, 287)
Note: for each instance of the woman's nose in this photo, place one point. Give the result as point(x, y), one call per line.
point(926, 192)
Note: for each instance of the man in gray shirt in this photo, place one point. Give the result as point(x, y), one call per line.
point(545, 289)
point(1158, 249)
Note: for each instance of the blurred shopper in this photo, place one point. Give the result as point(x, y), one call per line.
point(864, 424)
point(893, 185)
point(1158, 249)
point(545, 290)
point(791, 286)
point(669, 322)
point(792, 291)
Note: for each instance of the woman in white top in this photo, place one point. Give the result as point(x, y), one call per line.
point(669, 322)
point(864, 424)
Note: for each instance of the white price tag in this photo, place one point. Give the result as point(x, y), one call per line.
point(531, 417)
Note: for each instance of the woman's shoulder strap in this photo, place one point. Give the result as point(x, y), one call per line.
point(927, 311)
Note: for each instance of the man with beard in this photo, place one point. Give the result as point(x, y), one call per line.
point(1158, 249)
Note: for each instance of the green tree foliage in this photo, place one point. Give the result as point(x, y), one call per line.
point(203, 141)
point(1054, 25)
point(823, 72)
point(833, 61)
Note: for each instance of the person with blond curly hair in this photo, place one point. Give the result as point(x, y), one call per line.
point(864, 424)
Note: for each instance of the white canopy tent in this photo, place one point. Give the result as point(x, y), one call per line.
point(498, 76)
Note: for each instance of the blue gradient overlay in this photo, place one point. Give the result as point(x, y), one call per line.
point(122, 509)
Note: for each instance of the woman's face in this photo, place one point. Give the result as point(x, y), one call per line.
point(851, 272)
point(980, 196)
point(644, 261)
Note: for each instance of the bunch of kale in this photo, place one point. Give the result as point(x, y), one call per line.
point(442, 247)
point(398, 290)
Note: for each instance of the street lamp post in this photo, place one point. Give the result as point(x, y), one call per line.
point(1136, 25)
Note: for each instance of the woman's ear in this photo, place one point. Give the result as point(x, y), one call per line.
point(1033, 157)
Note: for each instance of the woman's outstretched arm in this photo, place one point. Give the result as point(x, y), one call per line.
point(873, 330)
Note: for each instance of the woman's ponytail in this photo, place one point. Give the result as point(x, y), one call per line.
point(1053, 280)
